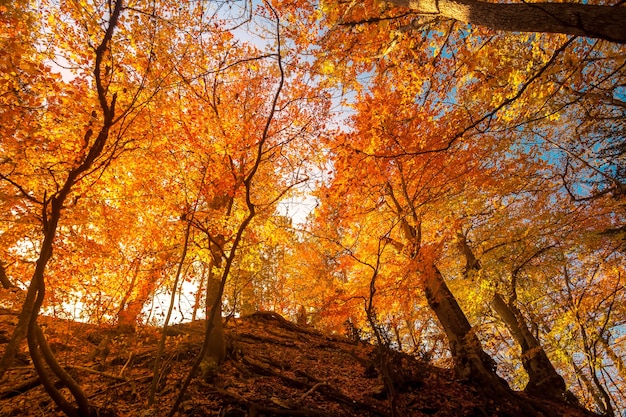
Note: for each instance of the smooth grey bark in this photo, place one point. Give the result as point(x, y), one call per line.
point(601, 22)
point(471, 361)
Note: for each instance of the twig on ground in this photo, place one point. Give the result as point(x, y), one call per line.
point(311, 391)
point(93, 371)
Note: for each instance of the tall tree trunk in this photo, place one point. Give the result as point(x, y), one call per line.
point(215, 352)
point(597, 397)
point(471, 363)
point(601, 22)
point(543, 381)
point(52, 208)
point(618, 361)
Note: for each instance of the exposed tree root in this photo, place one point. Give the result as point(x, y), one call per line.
point(21, 388)
point(323, 388)
point(259, 408)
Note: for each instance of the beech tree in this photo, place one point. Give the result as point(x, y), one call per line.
point(122, 67)
point(72, 172)
point(425, 85)
point(470, 193)
point(591, 20)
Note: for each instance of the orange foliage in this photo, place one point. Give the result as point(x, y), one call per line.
point(425, 142)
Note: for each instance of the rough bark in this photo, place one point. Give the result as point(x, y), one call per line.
point(543, 381)
point(601, 22)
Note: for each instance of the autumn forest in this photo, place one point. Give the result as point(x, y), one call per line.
point(445, 179)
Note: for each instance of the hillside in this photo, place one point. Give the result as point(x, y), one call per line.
point(274, 368)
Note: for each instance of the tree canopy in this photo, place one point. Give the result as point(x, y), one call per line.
point(466, 160)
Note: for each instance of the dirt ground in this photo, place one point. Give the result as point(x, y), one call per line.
point(274, 368)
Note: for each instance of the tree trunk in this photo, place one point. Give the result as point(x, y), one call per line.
point(51, 214)
point(216, 345)
point(21, 328)
point(618, 361)
point(4, 279)
point(471, 363)
point(544, 381)
point(601, 22)
point(599, 401)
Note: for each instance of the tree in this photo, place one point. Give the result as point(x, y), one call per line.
point(473, 193)
point(591, 20)
point(402, 192)
point(51, 211)
point(491, 102)
point(77, 132)
point(543, 378)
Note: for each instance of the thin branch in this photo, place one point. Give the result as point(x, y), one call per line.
point(22, 191)
point(487, 117)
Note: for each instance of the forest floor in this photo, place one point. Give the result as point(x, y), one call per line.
point(274, 368)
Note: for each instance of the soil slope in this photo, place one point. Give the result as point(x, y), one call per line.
point(274, 368)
